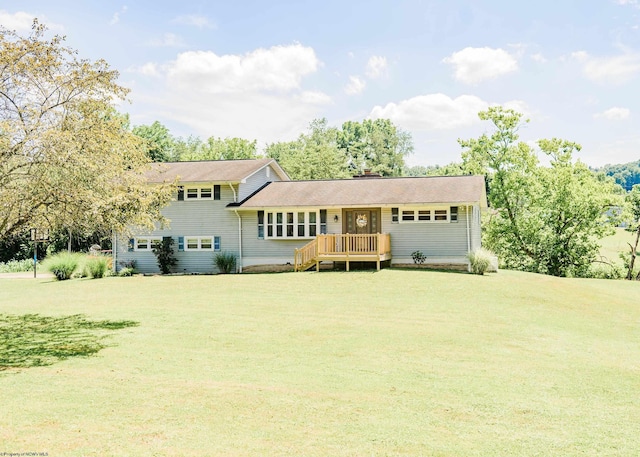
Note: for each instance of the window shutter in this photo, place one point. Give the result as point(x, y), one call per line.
point(180, 193)
point(216, 192)
point(453, 214)
point(130, 245)
point(394, 214)
point(181, 243)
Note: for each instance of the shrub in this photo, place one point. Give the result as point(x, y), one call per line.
point(127, 271)
point(418, 257)
point(226, 262)
point(63, 264)
point(480, 260)
point(16, 266)
point(96, 266)
point(164, 254)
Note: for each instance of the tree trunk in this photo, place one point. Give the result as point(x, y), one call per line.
point(632, 260)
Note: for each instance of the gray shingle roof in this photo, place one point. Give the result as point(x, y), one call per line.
point(370, 192)
point(209, 171)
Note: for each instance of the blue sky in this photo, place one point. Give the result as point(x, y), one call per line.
point(264, 69)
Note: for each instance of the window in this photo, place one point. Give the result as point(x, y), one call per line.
point(427, 215)
point(147, 243)
point(200, 193)
point(289, 225)
point(198, 243)
point(440, 215)
point(261, 225)
point(424, 215)
point(453, 214)
point(323, 221)
point(299, 224)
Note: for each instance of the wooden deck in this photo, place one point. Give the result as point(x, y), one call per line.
point(343, 248)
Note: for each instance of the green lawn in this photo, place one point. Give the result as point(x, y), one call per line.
point(613, 245)
point(390, 363)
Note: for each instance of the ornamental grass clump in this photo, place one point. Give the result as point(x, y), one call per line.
point(480, 261)
point(63, 264)
point(226, 262)
point(96, 266)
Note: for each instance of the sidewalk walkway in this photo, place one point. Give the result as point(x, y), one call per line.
point(26, 275)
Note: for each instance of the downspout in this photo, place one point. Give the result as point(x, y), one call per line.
point(235, 200)
point(468, 235)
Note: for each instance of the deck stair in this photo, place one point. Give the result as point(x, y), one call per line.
point(343, 248)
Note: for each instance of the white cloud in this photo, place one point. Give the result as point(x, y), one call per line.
point(22, 21)
point(278, 68)
point(376, 67)
point(473, 65)
point(355, 85)
point(148, 69)
point(195, 20)
point(538, 57)
point(432, 112)
point(314, 98)
point(116, 16)
point(616, 69)
point(257, 95)
point(614, 114)
point(168, 40)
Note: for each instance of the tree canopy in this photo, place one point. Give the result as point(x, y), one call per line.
point(546, 219)
point(67, 158)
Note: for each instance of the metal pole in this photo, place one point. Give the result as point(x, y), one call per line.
point(35, 257)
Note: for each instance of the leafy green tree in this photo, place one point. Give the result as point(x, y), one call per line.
point(625, 174)
point(314, 155)
point(633, 225)
point(67, 159)
point(377, 145)
point(543, 219)
point(160, 143)
point(219, 149)
point(452, 169)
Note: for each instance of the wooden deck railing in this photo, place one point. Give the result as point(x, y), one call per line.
point(344, 247)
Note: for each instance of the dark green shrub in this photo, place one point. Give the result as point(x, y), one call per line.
point(165, 256)
point(226, 262)
point(418, 257)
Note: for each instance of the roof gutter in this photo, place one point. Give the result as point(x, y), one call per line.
point(235, 200)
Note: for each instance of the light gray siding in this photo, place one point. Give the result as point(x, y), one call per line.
point(257, 180)
point(440, 242)
point(257, 251)
point(190, 218)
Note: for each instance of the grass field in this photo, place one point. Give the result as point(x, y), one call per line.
point(389, 363)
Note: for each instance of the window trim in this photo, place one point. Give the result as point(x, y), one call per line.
point(199, 239)
point(415, 217)
point(285, 224)
point(212, 192)
point(149, 243)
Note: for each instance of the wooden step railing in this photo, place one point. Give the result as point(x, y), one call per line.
point(343, 247)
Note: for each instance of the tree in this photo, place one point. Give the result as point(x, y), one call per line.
point(67, 158)
point(219, 149)
point(543, 219)
point(160, 143)
point(633, 225)
point(314, 155)
point(377, 145)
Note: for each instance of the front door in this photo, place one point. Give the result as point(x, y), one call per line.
point(361, 221)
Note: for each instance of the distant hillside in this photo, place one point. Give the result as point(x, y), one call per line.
point(625, 174)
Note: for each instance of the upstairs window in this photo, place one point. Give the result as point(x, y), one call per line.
point(199, 193)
